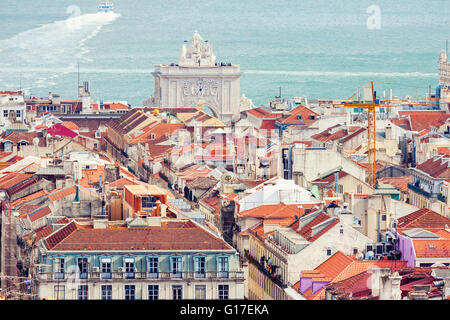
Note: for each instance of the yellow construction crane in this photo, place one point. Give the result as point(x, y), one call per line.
point(371, 119)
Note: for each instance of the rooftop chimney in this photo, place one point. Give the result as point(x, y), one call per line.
point(377, 280)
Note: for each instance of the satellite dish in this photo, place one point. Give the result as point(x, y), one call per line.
point(370, 255)
point(227, 177)
point(438, 264)
point(155, 112)
point(35, 141)
point(360, 256)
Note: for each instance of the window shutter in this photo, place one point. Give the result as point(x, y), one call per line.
point(55, 265)
point(179, 264)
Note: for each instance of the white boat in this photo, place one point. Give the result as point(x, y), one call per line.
point(105, 6)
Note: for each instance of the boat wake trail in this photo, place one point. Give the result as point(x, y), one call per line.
point(51, 50)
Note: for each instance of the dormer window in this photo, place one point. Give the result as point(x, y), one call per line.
point(152, 136)
point(312, 117)
point(299, 117)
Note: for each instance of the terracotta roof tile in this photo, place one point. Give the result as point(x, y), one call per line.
point(16, 137)
point(329, 179)
point(267, 125)
point(340, 267)
point(12, 179)
point(306, 231)
point(272, 211)
point(402, 123)
point(425, 119)
point(423, 218)
point(119, 183)
point(305, 113)
point(331, 135)
point(70, 125)
point(61, 193)
point(437, 167)
point(261, 113)
point(30, 197)
point(39, 213)
point(400, 183)
point(43, 232)
point(432, 248)
point(170, 236)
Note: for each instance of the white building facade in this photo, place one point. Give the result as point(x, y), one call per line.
point(12, 107)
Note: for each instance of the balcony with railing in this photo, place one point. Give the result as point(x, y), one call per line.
point(272, 276)
point(140, 275)
point(419, 190)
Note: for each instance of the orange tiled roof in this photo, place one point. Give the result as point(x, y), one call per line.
point(30, 197)
point(402, 123)
point(190, 174)
point(340, 267)
point(267, 124)
point(324, 182)
point(272, 211)
point(213, 202)
point(306, 231)
point(115, 106)
point(327, 135)
point(176, 235)
point(365, 165)
point(15, 137)
point(443, 150)
point(158, 130)
point(39, 214)
point(43, 232)
point(70, 125)
point(400, 183)
point(304, 112)
point(119, 183)
point(65, 192)
point(432, 248)
point(261, 113)
point(61, 193)
point(4, 165)
point(423, 218)
point(26, 209)
point(12, 179)
point(425, 119)
point(92, 176)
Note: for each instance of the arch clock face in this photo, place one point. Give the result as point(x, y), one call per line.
point(200, 88)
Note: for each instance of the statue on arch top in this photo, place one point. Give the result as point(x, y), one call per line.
point(198, 54)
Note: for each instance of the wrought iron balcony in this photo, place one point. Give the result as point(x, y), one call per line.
point(275, 278)
point(419, 190)
point(111, 276)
